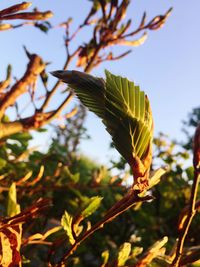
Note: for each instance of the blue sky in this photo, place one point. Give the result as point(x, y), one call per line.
point(167, 66)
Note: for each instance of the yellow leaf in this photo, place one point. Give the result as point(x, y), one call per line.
point(137, 42)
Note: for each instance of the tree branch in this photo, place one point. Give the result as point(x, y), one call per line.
point(192, 204)
point(34, 122)
point(34, 68)
point(121, 206)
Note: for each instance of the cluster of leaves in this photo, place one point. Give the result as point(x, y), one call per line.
point(77, 184)
point(73, 183)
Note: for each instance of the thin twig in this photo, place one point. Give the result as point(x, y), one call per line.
point(190, 215)
point(54, 89)
point(192, 203)
point(55, 113)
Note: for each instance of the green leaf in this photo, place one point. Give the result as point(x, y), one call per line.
point(155, 177)
point(89, 89)
point(128, 117)
point(156, 250)
point(23, 138)
point(91, 206)
point(44, 26)
point(124, 253)
point(123, 107)
point(136, 251)
point(41, 130)
point(105, 257)
point(66, 223)
point(13, 208)
point(196, 264)
point(190, 172)
point(96, 5)
point(3, 163)
point(74, 177)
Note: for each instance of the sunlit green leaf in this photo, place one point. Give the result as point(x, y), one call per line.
point(128, 117)
point(13, 208)
point(124, 253)
point(91, 206)
point(2, 163)
point(105, 257)
point(122, 106)
point(66, 223)
point(155, 177)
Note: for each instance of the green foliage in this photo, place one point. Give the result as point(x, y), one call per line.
point(124, 253)
point(77, 183)
point(123, 108)
point(13, 208)
point(91, 206)
point(72, 180)
point(128, 116)
point(105, 257)
point(2, 163)
point(66, 223)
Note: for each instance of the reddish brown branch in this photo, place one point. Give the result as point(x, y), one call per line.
point(29, 213)
point(34, 122)
point(34, 68)
point(29, 16)
point(56, 112)
point(121, 206)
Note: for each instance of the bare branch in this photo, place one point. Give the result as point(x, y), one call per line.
point(34, 122)
point(34, 68)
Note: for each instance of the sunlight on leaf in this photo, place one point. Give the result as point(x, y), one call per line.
point(91, 206)
point(105, 257)
point(66, 223)
point(124, 253)
point(154, 251)
point(13, 208)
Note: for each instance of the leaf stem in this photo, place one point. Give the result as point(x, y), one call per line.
point(192, 203)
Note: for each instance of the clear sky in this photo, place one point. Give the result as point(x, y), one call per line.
point(167, 66)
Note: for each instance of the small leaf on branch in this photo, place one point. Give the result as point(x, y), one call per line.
point(124, 253)
point(4, 84)
point(91, 206)
point(13, 208)
point(153, 252)
point(66, 223)
point(4, 27)
point(155, 177)
point(10, 241)
point(44, 27)
point(105, 257)
point(137, 42)
point(3, 163)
